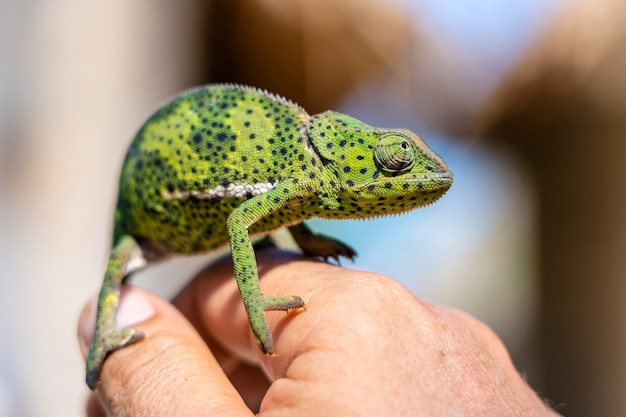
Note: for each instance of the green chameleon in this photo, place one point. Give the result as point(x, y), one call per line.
point(221, 163)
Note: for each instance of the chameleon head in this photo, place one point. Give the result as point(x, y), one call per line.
point(380, 171)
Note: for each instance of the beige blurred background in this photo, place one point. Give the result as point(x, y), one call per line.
point(524, 99)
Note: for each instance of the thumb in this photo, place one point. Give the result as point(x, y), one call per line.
point(170, 372)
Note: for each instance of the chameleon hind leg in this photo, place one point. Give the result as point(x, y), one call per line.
point(125, 258)
point(316, 244)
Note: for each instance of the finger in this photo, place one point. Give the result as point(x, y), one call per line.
point(170, 372)
point(339, 310)
point(212, 302)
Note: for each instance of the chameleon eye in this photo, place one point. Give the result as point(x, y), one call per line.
point(394, 153)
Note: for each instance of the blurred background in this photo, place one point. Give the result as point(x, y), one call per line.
point(525, 100)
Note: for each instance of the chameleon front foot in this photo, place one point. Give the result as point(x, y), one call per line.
point(258, 322)
point(102, 345)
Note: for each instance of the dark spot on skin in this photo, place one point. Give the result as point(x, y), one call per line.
point(387, 185)
point(346, 169)
point(350, 183)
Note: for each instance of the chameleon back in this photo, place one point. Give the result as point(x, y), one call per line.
point(192, 162)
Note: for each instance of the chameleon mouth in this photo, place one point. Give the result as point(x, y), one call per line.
point(439, 178)
point(417, 187)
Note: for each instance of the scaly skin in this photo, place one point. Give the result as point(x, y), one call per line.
point(222, 162)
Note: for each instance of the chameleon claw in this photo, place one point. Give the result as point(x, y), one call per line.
point(102, 346)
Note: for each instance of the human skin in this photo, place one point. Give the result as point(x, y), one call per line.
point(364, 346)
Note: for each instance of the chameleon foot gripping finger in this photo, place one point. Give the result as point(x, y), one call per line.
point(315, 244)
point(125, 258)
point(222, 162)
point(258, 323)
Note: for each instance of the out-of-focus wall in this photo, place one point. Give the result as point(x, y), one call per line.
point(563, 110)
point(76, 80)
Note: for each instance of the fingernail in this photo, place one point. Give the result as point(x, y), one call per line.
point(134, 308)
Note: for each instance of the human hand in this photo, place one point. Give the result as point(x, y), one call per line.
point(364, 346)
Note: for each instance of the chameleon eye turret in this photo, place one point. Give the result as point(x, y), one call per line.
point(221, 162)
point(394, 153)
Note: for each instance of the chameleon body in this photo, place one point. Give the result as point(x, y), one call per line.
point(220, 163)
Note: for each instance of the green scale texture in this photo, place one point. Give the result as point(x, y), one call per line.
point(220, 163)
